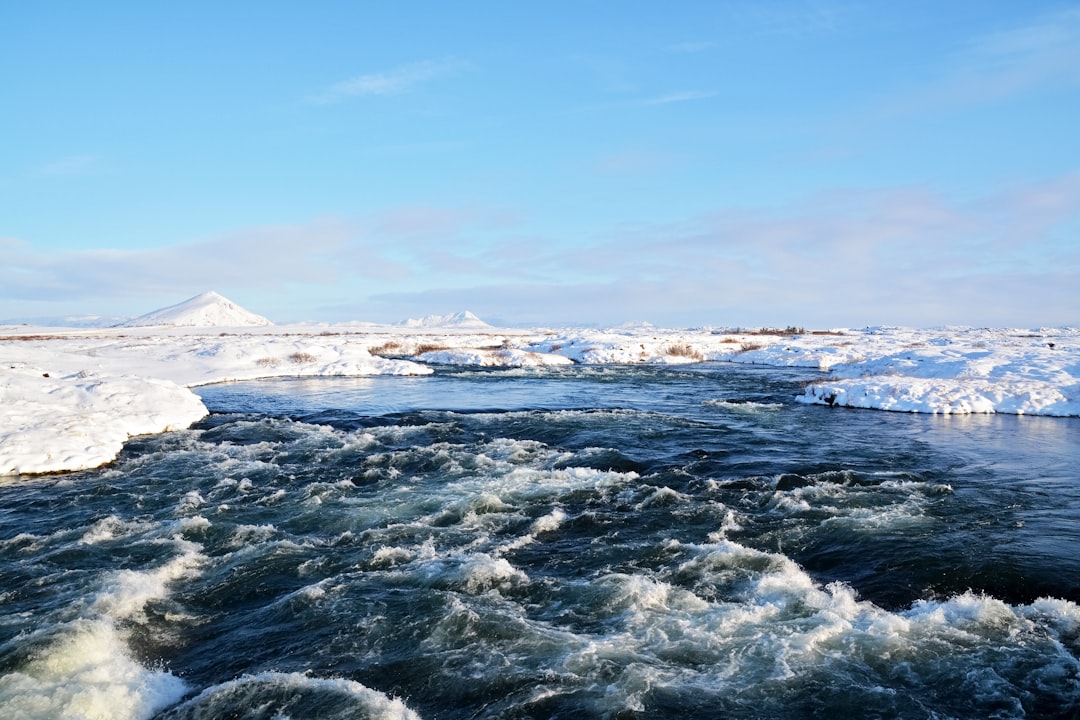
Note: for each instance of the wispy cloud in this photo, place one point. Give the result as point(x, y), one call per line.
point(609, 75)
point(1042, 54)
point(401, 79)
point(678, 97)
point(894, 256)
point(258, 257)
point(1045, 51)
point(690, 47)
point(848, 257)
point(793, 19)
point(417, 148)
point(70, 166)
point(631, 163)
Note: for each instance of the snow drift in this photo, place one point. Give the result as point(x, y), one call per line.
point(68, 400)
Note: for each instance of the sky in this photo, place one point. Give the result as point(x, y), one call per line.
point(740, 163)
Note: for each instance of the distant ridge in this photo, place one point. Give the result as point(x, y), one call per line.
point(67, 321)
point(206, 310)
point(463, 319)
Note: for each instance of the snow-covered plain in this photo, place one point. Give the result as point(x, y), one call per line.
point(69, 399)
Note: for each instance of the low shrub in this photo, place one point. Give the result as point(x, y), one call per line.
point(683, 350)
point(387, 348)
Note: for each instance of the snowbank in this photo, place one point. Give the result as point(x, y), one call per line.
point(69, 399)
point(970, 371)
point(502, 357)
point(81, 420)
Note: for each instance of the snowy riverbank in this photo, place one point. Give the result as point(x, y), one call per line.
point(69, 399)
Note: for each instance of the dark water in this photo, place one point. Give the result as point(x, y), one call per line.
point(573, 542)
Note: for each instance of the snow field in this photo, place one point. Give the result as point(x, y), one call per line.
point(70, 399)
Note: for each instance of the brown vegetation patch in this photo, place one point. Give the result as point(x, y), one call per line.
point(429, 347)
point(789, 330)
point(35, 337)
point(683, 350)
point(387, 348)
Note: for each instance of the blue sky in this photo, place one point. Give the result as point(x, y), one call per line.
point(688, 163)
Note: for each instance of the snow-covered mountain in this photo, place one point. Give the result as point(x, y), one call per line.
point(207, 310)
point(463, 319)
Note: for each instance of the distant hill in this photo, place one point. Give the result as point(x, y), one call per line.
point(67, 321)
point(464, 319)
point(207, 310)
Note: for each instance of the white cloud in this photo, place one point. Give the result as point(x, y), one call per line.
point(901, 256)
point(893, 256)
point(401, 79)
point(322, 251)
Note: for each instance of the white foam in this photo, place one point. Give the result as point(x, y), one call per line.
point(86, 674)
point(125, 592)
point(390, 556)
point(248, 535)
point(480, 572)
point(548, 523)
point(776, 625)
point(84, 671)
point(110, 528)
point(337, 698)
point(660, 497)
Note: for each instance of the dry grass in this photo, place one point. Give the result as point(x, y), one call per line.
point(395, 348)
point(683, 350)
point(789, 330)
point(301, 358)
point(748, 346)
point(33, 337)
point(779, 332)
point(268, 362)
point(387, 348)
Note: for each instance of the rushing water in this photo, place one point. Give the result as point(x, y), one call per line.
point(572, 542)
